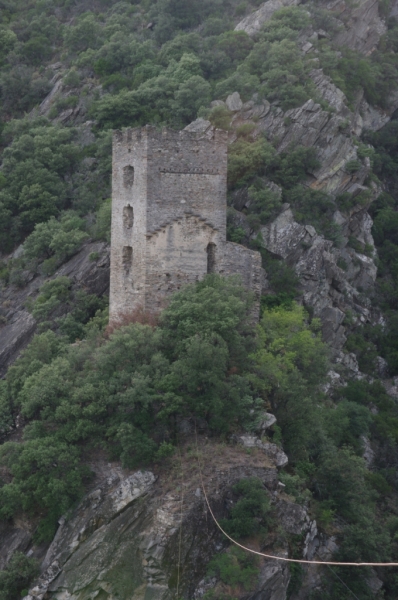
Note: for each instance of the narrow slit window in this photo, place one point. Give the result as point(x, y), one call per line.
point(127, 259)
point(128, 176)
point(211, 258)
point(128, 217)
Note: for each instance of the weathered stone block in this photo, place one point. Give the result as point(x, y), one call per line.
point(169, 217)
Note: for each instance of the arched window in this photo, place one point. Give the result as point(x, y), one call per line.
point(211, 258)
point(127, 259)
point(128, 217)
point(128, 176)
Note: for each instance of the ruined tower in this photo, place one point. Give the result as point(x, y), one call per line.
point(169, 217)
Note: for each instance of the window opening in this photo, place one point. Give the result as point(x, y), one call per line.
point(128, 176)
point(211, 258)
point(128, 217)
point(127, 259)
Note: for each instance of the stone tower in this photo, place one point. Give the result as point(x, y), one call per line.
point(169, 217)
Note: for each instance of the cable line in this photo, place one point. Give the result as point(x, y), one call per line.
point(281, 558)
point(345, 585)
point(181, 515)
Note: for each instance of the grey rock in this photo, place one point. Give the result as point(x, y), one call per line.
point(307, 47)
point(368, 453)
point(273, 581)
point(322, 548)
point(327, 548)
point(127, 535)
point(311, 543)
point(18, 252)
point(217, 103)
point(205, 586)
point(266, 420)
point(14, 336)
point(350, 362)
point(234, 102)
point(92, 276)
point(12, 540)
point(292, 517)
point(254, 22)
point(326, 288)
point(382, 367)
point(47, 103)
point(199, 126)
point(372, 118)
point(334, 381)
point(363, 28)
point(374, 582)
point(271, 450)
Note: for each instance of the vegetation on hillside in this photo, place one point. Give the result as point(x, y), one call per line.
point(79, 386)
point(125, 392)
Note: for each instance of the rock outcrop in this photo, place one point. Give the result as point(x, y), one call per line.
point(19, 326)
point(330, 278)
point(363, 26)
point(134, 536)
point(252, 23)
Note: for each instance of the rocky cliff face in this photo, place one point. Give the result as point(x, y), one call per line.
point(19, 326)
point(143, 535)
point(335, 279)
point(128, 536)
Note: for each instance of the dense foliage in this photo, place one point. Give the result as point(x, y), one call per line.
point(79, 387)
point(16, 576)
point(126, 391)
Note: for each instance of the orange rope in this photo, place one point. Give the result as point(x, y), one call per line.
point(289, 560)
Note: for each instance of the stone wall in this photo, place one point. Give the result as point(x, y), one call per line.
point(169, 217)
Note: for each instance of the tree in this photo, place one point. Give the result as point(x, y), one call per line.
point(17, 576)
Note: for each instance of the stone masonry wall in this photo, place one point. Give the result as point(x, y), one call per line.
point(169, 217)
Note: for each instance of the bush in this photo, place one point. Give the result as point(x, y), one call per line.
point(264, 204)
point(56, 241)
point(20, 89)
point(87, 33)
point(17, 576)
point(235, 567)
point(36, 166)
point(246, 159)
point(52, 293)
point(124, 392)
point(251, 513)
point(46, 476)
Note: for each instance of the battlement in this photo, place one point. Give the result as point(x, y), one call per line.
point(169, 191)
point(163, 136)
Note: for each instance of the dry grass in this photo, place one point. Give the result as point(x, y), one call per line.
point(214, 459)
point(138, 315)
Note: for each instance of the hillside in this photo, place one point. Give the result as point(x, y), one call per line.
point(296, 419)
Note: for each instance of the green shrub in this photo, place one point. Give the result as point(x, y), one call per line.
point(55, 240)
point(241, 9)
point(36, 166)
point(264, 204)
point(102, 227)
point(235, 567)
point(46, 476)
point(140, 379)
point(246, 159)
point(17, 576)
point(251, 513)
point(52, 293)
point(365, 350)
point(220, 117)
point(87, 33)
point(352, 166)
point(296, 579)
